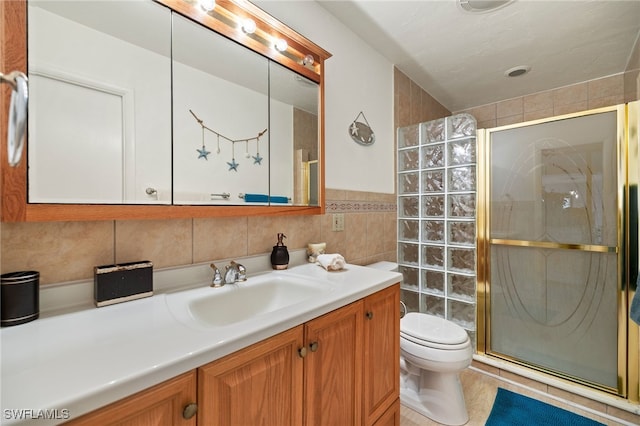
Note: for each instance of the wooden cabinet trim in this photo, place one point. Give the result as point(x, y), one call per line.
point(381, 382)
point(174, 393)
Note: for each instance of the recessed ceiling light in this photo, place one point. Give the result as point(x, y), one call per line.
point(481, 6)
point(517, 71)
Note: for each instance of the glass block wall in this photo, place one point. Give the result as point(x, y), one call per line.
point(436, 218)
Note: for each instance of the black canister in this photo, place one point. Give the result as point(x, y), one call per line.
point(19, 297)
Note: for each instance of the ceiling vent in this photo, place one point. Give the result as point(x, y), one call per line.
point(517, 71)
point(482, 6)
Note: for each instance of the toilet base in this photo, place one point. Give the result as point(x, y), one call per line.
point(438, 396)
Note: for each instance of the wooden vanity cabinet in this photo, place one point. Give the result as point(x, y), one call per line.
point(333, 368)
point(381, 362)
point(341, 368)
point(260, 385)
point(162, 405)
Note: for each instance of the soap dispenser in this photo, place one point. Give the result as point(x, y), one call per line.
point(279, 254)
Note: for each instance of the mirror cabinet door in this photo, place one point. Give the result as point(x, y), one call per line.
point(100, 105)
point(293, 107)
point(142, 102)
point(221, 119)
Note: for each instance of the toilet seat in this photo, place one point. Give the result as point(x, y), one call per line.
point(432, 331)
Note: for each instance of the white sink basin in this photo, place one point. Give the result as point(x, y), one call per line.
point(233, 303)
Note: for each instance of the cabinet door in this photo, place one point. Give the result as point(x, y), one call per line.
point(259, 385)
point(333, 368)
point(391, 417)
point(161, 405)
point(381, 352)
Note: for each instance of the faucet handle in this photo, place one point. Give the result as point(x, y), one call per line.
point(242, 271)
point(217, 276)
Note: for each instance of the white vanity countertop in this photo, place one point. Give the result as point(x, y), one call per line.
point(79, 361)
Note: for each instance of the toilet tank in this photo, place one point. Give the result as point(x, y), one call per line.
point(384, 266)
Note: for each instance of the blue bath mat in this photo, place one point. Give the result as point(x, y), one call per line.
point(512, 409)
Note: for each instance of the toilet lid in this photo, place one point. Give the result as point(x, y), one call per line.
point(430, 328)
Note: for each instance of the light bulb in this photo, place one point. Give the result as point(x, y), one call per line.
point(308, 60)
point(249, 26)
point(280, 45)
point(208, 5)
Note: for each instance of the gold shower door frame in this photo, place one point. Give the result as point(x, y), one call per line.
point(628, 174)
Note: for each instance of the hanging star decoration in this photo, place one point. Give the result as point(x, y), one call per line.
point(202, 153)
point(233, 165)
point(257, 159)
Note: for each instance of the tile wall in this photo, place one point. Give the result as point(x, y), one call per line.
point(68, 251)
point(565, 100)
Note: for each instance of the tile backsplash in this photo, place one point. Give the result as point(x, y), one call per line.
point(68, 251)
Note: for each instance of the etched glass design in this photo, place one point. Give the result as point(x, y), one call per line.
point(558, 182)
point(408, 229)
point(433, 156)
point(409, 159)
point(409, 183)
point(433, 181)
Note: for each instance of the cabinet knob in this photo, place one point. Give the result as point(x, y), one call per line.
point(313, 346)
point(189, 411)
point(302, 352)
point(369, 315)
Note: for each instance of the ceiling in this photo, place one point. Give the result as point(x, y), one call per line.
point(460, 57)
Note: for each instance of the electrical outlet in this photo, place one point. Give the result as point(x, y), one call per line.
point(338, 222)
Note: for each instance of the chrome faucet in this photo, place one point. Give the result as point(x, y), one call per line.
point(217, 277)
point(234, 272)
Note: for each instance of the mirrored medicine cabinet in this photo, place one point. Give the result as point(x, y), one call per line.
point(161, 109)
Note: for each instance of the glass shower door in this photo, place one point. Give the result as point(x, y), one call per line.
point(554, 246)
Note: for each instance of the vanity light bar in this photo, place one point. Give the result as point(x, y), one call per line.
point(231, 19)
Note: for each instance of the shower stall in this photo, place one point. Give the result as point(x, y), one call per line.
point(528, 238)
point(557, 240)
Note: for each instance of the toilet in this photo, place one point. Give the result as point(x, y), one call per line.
point(433, 351)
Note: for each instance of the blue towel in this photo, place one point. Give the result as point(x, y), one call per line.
point(634, 312)
point(263, 198)
point(256, 198)
point(279, 199)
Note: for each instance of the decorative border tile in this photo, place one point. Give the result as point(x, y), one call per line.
point(359, 206)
